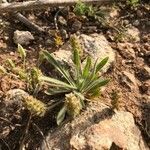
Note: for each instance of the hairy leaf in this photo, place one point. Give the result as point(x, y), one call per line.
point(87, 67)
point(101, 64)
point(21, 51)
point(61, 70)
point(61, 115)
point(51, 91)
point(55, 82)
point(95, 84)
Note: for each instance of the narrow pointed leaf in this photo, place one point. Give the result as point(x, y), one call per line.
point(21, 51)
point(95, 84)
point(56, 82)
point(76, 59)
point(56, 91)
point(101, 64)
point(61, 70)
point(89, 79)
point(61, 115)
point(87, 67)
point(77, 62)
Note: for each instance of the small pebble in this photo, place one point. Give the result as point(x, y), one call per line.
point(12, 53)
point(136, 23)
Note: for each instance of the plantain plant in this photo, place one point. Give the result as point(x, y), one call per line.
point(77, 88)
point(83, 84)
point(30, 76)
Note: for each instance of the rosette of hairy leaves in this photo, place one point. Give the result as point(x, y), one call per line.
point(85, 82)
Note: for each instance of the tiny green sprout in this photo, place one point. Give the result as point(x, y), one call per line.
point(34, 82)
point(20, 72)
point(22, 53)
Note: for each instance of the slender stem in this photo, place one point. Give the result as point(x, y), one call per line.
point(22, 140)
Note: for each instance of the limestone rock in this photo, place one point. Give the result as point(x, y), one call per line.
point(22, 37)
point(98, 128)
point(98, 47)
point(11, 108)
point(120, 130)
point(64, 57)
point(94, 45)
point(133, 34)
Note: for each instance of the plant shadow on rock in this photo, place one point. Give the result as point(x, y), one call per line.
point(74, 127)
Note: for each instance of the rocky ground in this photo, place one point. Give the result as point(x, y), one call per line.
point(122, 33)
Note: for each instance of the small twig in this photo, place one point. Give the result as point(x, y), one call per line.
point(28, 23)
point(22, 140)
point(6, 144)
point(40, 4)
point(1, 118)
point(54, 105)
point(42, 135)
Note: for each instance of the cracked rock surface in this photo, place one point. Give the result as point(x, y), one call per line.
point(98, 128)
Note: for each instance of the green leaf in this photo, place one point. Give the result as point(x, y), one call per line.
point(61, 115)
point(61, 70)
point(56, 83)
point(56, 91)
point(87, 67)
point(95, 84)
point(93, 73)
point(80, 8)
point(21, 51)
point(77, 62)
point(101, 64)
point(76, 59)
point(89, 78)
point(77, 51)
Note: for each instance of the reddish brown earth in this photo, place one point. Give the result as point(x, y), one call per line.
point(130, 76)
